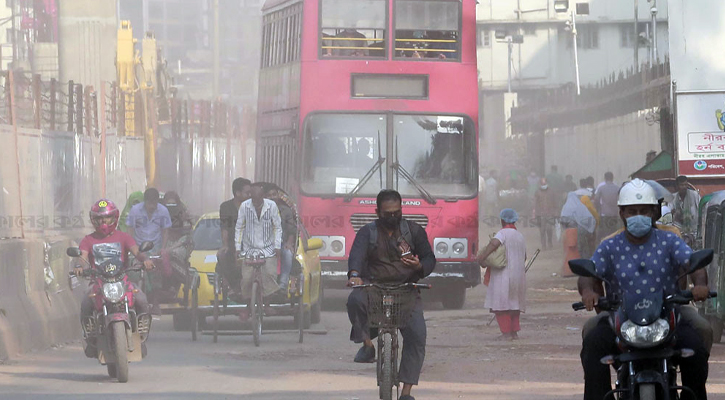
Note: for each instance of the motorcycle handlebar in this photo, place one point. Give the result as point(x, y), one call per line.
point(92, 272)
point(603, 304)
point(685, 297)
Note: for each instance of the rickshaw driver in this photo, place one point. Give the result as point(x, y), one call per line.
point(259, 226)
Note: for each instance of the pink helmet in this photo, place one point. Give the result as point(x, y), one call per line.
point(104, 208)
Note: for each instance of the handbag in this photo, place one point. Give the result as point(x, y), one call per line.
point(497, 259)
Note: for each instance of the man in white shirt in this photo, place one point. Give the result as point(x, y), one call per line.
point(685, 206)
point(259, 229)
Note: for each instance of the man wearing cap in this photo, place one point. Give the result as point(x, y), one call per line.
point(506, 296)
point(640, 260)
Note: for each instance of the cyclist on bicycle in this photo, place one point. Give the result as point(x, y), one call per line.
point(390, 250)
point(259, 227)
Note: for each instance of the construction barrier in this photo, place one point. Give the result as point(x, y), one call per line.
point(37, 307)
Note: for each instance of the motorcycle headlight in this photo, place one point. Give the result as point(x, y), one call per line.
point(113, 292)
point(645, 336)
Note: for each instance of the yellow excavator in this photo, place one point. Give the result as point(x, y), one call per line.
point(141, 91)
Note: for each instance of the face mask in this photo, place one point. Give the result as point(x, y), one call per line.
point(544, 187)
point(391, 222)
point(639, 225)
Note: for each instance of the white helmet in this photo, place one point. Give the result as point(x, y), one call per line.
point(637, 191)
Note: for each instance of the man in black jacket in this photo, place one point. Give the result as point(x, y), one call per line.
point(390, 250)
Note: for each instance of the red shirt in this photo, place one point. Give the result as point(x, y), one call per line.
point(112, 248)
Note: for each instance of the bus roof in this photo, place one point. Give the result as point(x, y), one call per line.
point(270, 4)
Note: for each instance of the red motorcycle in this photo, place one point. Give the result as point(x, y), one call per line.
point(119, 334)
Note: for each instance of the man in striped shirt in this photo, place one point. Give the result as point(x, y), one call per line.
point(259, 227)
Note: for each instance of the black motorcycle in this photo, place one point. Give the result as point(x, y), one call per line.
point(646, 327)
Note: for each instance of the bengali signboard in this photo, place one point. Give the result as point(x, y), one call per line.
point(701, 133)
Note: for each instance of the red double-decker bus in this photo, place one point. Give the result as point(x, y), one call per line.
point(360, 95)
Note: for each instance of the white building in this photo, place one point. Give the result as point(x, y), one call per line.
point(546, 57)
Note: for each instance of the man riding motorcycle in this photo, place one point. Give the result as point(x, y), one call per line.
point(104, 216)
point(643, 259)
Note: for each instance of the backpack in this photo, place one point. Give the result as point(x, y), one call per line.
point(404, 232)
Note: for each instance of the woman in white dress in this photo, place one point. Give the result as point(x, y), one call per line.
point(506, 296)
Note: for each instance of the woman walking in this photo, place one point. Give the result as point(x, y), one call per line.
point(506, 295)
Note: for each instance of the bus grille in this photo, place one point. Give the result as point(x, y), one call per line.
point(359, 220)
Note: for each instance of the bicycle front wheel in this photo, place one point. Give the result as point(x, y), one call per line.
point(386, 367)
point(256, 312)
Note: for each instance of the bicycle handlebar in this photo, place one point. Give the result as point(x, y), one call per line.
point(397, 286)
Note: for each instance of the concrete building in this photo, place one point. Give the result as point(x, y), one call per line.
point(546, 57)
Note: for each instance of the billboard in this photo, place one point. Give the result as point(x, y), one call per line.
point(696, 29)
point(701, 133)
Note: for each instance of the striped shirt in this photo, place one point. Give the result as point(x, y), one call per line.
point(263, 233)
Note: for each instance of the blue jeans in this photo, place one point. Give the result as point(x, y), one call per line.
point(285, 267)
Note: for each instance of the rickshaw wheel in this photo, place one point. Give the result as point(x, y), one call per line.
point(194, 312)
point(217, 282)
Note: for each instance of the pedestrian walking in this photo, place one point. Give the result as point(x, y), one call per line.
point(545, 213)
point(506, 296)
point(605, 200)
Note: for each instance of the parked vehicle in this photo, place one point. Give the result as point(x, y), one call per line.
point(710, 235)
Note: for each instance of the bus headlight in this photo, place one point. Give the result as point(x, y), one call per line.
point(451, 247)
point(441, 249)
point(332, 246)
point(460, 248)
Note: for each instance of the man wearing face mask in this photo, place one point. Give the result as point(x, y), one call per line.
point(642, 260)
point(390, 250)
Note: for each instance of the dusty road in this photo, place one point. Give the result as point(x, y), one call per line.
point(463, 359)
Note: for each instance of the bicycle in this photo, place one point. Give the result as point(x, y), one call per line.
point(389, 309)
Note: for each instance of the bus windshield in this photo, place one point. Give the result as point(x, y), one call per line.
point(340, 149)
point(438, 151)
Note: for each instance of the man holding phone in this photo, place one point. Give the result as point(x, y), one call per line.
point(390, 250)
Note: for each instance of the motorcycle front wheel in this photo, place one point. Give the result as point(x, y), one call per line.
point(111, 370)
point(647, 391)
point(120, 348)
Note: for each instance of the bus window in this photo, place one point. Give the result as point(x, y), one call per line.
point(353, 28)
point(427, 29)
point(339, 151)
point(439, 152)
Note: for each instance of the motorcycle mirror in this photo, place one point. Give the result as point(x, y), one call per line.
point(699, 260)
point(73, 252)
point(584, 267)
point(146, 246)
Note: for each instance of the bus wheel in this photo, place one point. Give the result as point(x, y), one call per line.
point(454, 297)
